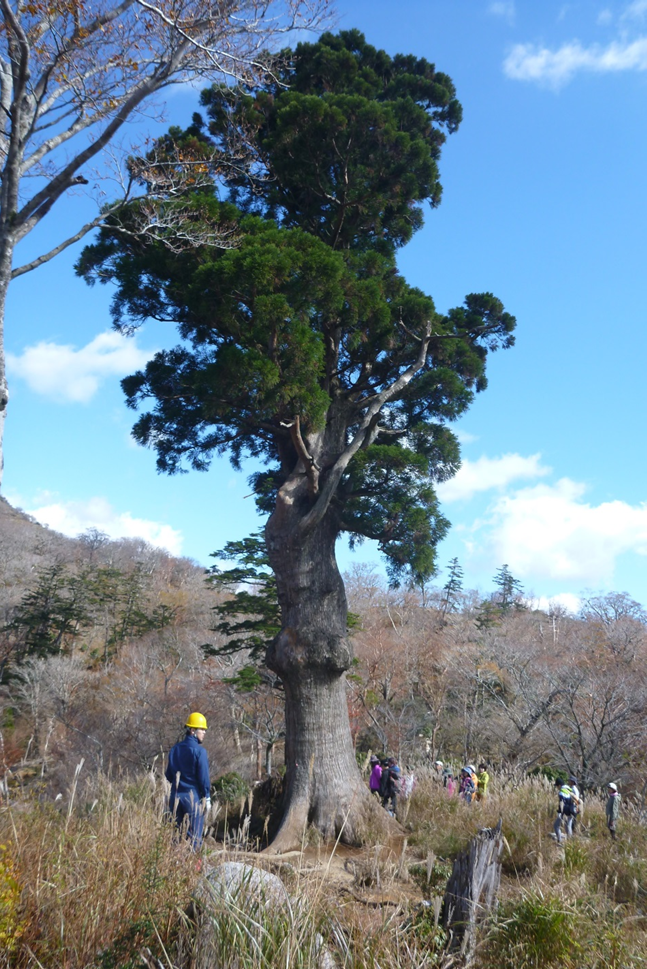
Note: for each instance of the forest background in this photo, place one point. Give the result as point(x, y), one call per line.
point(107, 643)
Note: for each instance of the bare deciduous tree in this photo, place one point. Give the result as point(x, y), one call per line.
point(73, 72)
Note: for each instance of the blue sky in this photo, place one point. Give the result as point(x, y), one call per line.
point(545, 205)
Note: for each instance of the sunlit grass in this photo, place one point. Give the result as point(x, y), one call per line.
point(98, 880)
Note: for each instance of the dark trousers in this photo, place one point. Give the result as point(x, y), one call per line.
point(187, 810)
point(392, 798)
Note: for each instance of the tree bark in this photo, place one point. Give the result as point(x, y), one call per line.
point(472, 889)
point(6, 254)
point(311, 655)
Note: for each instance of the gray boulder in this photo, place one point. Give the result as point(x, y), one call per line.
point(235, 905)
point(247, 887)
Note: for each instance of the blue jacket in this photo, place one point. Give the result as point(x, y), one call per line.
point(188, 758)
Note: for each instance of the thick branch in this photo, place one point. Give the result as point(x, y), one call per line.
point(310, 465)
point(365, 429)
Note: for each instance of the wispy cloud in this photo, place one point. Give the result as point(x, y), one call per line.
point(75, 517)
point(635, 11)
point(487, 474)
point(529, 62)
point(551, 532)
point(503, 8)
point(68, 374)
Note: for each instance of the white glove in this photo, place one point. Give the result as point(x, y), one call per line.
point(207, 805)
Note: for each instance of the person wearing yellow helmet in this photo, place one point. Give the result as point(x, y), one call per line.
point(187, 772)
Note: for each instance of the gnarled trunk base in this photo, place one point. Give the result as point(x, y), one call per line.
point(324, 788)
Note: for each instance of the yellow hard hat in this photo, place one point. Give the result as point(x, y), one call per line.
point(196, 721)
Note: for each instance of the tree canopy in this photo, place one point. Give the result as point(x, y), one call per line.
point(302, 344)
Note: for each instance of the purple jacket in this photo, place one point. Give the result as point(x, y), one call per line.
point(376, 774)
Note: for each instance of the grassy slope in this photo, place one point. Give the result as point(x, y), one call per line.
point(96, 880)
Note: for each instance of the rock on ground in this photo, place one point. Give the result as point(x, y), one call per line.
point(232, 903)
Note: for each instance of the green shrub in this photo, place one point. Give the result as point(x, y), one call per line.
point(434, 881)
point(551, 773)
point(428, 933)
point(230, 787)
point(12, 925)
point(533, 933)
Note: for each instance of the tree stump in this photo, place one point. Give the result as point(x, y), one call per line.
point(472, 888)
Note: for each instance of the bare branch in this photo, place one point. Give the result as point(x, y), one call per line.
point(40, 260)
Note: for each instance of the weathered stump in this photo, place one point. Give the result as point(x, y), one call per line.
point(472, 888)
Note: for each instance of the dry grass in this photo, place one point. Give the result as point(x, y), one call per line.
point(96, 879)
point(100, 877)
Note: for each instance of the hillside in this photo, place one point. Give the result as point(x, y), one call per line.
point(99, 647)
point(101, 657)
point(101, 651)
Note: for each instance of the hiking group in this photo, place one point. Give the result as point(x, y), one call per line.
point(469, 784)
point(187, 772)
point(386, 781)
point(569, 807)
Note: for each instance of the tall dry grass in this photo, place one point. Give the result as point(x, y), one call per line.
point(96, 880)
point(100, 877)
point(583, 906)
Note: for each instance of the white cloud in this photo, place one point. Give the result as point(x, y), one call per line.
point(488, 473)
point(64, 373)
point(465, 437)
point(528, 62)
point(563, 600)
point(503, 8)
point(548, 531)
point(635, 11)
point(605, 17)
point(75, 517)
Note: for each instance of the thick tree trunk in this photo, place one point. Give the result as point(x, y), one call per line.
point(311, 655)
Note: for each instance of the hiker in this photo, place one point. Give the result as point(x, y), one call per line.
point(438, 769)
point(390, 784)
point(564, 810)
point(447, 774)
point(482, 781)
point(613, 809)
point(450, 783)
point(376, 775)
point(188, 774)
point(408, 783)
point(575, 807)
point(467, 786)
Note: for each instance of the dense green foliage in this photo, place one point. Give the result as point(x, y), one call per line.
point(56, 614)
point(302, 345)
point(250, 615)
